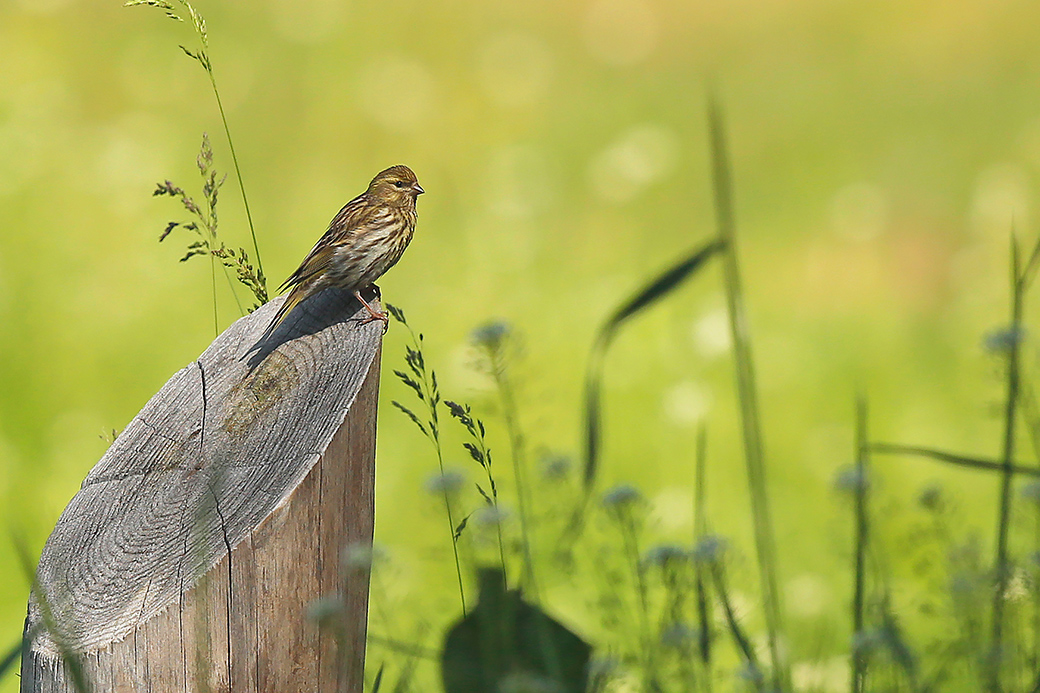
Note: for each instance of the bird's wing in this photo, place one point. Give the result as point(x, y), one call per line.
point(355, 217)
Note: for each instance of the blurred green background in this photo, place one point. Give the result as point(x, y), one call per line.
point(881, 151)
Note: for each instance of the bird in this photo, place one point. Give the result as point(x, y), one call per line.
point(364, 240)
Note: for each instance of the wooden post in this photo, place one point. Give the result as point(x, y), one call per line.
point(192, 553)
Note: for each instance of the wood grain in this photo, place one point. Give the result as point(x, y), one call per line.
point(189, 557)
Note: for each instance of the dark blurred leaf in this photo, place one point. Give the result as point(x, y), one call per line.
point(379, 679)
point(895, 643)
point(661, 286)
point(8, 662)
point(656, 289)
point(506, 640)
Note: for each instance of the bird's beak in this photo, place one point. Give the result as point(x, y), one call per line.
point(417, 188)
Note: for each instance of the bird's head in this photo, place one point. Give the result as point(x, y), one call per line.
point(397, 186)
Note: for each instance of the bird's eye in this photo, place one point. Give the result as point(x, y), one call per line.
point(399, 184)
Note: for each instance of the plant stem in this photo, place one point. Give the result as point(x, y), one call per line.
point(451, 525)
point(1036, 601)
point(859, 562)
point(751, 426)
point(1001, 565)
point(516, 443)
point(238, 173)
point(431, 398)
point(951, 458)
point(213, 283)
point(739, 637)
point(700, 524)
point(631, 542)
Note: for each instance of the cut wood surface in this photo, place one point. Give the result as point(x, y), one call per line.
point(189, 557)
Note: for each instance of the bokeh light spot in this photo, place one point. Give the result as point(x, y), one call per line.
point(859, 212)
point(44, 6)
point(639, 157)
point(396, 92)
point(518, 181)
point(620, 32)
point(687, 403)
point(711, 333)
point(1001, 200)
point(807, 595)
point(310, 21)
point(514, 69)
point(671, 509)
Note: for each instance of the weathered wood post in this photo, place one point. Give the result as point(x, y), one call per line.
point(190, 556)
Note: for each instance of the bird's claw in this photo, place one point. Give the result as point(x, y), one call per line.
point(382, 317)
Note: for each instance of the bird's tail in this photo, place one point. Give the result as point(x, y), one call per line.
point(291, 301)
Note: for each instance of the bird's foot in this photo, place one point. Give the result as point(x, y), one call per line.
point(373, 314)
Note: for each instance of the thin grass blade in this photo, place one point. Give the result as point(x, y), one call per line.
point(740, 638)
point(700, 513)
point(77, 676)
point(379, 679)
point(747, 396)
point(979, 463)
point(656, 289)
point(1001, 561)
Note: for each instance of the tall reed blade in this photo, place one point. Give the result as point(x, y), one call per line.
point(1018, 281)
point(751, 427)
point(659, 287)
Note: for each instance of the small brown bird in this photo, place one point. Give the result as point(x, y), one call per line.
point(365, 239)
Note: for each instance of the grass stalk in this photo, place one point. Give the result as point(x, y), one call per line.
point(859, 560)
point(238, 169)
point(656, 289)
point(481, 454)
point(1031, 419)
point(446, 495)
point(213, 284)
point(198, 22)
point(516, 449)
point(69, 657)
point(630, 541)
point(1007, 471)
point(1035, 661)
point(952, 458)
point(423, 382)
point(754, 669)
point(700, 526)
point(746, 390)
